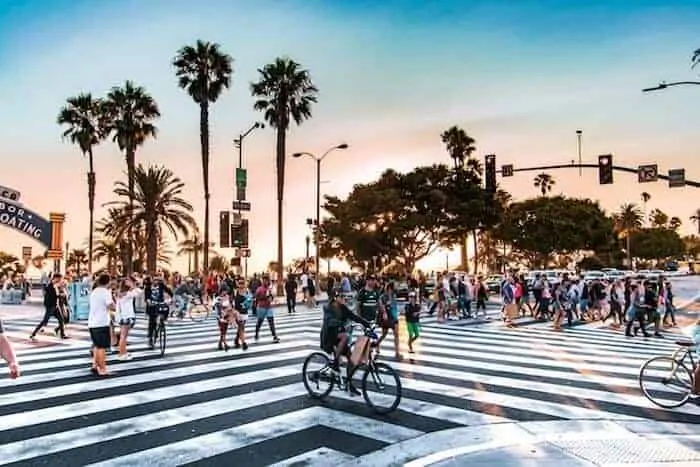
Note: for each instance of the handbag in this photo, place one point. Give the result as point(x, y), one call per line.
point(511, 311)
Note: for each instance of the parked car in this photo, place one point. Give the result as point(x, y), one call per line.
point(589, 276)
point(493, 283)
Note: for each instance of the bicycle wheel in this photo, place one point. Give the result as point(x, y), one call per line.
point(198, 312)
point(161, 338)
point(666, 382)
point(317, 372)
point(381, 387)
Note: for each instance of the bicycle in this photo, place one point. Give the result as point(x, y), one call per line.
point(160, 333)
point(372, 381)
point(191, 305)
point(672, 373)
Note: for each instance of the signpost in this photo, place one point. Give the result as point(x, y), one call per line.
point(507, 170)
point(9, 194)
point(648, 173)
point(241, 205)
point(676, 178)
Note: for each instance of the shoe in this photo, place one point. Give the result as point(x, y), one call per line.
point(659, 335)
point(221, 346)
point(276, 340)
point(125, 358)
point(32, 338)
point(245, 346)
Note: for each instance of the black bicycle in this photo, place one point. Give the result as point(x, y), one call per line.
point(160, 335)
point(320, 378)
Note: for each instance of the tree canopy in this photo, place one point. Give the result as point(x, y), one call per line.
point(657, 243)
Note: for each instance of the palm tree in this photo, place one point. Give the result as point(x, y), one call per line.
point(129, 115)
point(284, 93)
point(39, 261)
point(461, 147)
point(218, 263)
point(158, 206)
point(645, 199)
point(674, 223)
point(204, 71)
point(77, 258)
point(192, 247)
point(695, 218)
point(628, 220)
point(82, 118)
point(658, 218)
point(108, 248)
point(544, 182)
point(695, 60)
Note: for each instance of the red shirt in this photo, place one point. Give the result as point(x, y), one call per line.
point(262, 297)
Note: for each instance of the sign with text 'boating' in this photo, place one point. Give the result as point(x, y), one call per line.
point(23, 220)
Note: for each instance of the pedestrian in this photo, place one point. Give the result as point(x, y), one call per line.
point(51, 308)
point(263, 299)
point(226, 315)
point(101, 303)
point(8, 354)
point(126, 314)
point(412, 316)
point(290, 290)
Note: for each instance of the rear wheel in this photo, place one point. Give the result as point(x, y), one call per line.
point(318, 375)
point(666, 382)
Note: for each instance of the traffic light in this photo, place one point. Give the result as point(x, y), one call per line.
point(490, 173)
point(605, 169)
point(239, 235)
point(224, 229)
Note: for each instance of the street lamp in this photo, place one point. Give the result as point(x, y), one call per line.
point(239, 141)
point(318, 195)
point(664, 85)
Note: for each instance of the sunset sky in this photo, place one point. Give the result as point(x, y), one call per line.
point(521, 77)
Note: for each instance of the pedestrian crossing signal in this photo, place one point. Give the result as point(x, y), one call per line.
point(605, 169)
point(490, 173)
point(239, 235)
point(224, 226)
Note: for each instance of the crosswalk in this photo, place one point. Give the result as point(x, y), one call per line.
point(198, 406)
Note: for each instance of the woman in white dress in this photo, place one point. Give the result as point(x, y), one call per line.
point(126, 315)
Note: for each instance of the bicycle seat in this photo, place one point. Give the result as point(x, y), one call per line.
point(686, 343)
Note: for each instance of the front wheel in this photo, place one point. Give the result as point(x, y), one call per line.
point(666, 382)
point(198, 312)
point(381, 387)
point(317, 373)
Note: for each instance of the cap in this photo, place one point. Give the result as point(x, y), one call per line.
point(371, 277)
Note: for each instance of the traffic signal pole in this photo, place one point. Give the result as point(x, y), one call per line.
point(619, 168)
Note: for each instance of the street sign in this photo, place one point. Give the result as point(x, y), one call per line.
point(648, 173)
point(507, 170)
point(676, 178)
point(240, 193)
point(9, 194)
point(241, 206)
point(26, 253)
point(245, 252)
point(241, 178)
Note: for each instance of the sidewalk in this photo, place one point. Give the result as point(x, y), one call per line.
point(571, 443)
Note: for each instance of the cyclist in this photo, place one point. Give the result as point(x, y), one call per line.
point(183, 294)
point(334, 337)
point(155, 291)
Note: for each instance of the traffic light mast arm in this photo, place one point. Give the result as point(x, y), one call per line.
point(618, 168)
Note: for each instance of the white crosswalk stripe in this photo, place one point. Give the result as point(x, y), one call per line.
point(201, 406)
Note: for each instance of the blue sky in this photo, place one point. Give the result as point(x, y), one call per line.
point(520, 77)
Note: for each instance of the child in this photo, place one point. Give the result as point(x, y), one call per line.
point(226, 316)
point(125, 316)
point(412, 315)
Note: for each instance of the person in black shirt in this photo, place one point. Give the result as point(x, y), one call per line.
point(412, 315)
point(290, 290)
point(51, 308)
point(242, 301)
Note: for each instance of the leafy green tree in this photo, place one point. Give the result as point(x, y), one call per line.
point(544, 226)
point(158, 207)
point(284, 93)
point(399, 216)
point(674, 223)
point(692, 245)
point(204, 71)
point(128, 116)
point(658, 218)
point(82, 117)
point(657, 243)
point(544, 182)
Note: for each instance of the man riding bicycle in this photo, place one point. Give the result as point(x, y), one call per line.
point(334, 336)
point(156, 308)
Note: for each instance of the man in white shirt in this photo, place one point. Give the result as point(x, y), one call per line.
point(304, 279)
point(101, 302)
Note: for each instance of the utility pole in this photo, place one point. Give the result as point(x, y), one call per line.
point(578, 139)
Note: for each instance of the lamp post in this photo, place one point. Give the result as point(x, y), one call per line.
point(239, 141)
point(318, 196)
point(664, 85)
point(578, 141)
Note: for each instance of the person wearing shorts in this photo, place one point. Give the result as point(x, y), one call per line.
point(241, 302)
point(125, 316)
point(101, 303)
point(412, 315)
point(8, 354)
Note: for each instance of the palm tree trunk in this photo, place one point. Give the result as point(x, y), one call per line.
point(281, 150)
point(476, 252)
point(204, 139)
point(629, 253)
point(131, 175)
point(195, 252)
point(91, 207)
point(152, 250)
point(189, 263)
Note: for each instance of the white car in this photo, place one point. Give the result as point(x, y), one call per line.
point(593, 275)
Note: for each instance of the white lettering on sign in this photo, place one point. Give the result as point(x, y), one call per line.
point(17, 218)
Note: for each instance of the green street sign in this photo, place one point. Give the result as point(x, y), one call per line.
point(241, 177)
